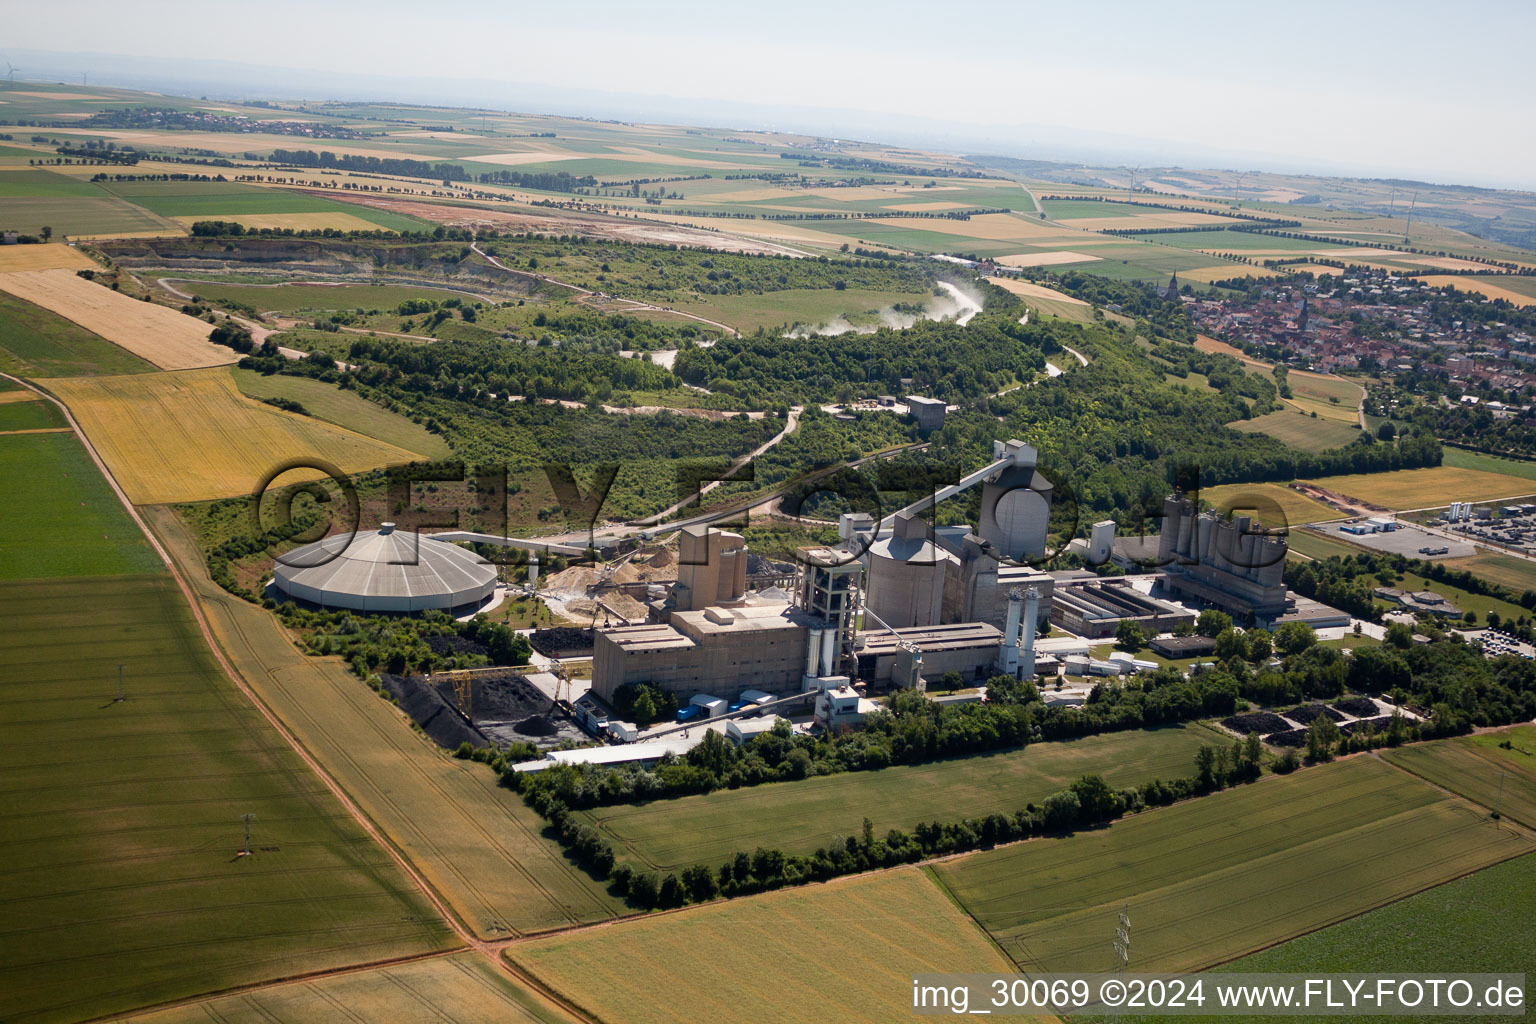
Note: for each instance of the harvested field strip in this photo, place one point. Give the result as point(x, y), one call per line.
point(1223, 875)
point(798, 817)
point(1479, 771)
point(1427, 487)
point(460, 988)
point(43, 257)
point(478, 845)
point(192, 436)
point(170, 340)
point(844, 951)
point(121, 886)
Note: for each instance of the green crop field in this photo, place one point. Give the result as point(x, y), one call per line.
point(226, 199)
point(123, 819)
point(1519, 574)
point(1315, 545)
point(769, 954)
point(34, 184)
point(1239, 241)
point(475, 841)
point(1463, 459)
point(38, 415)
point(345, 409)
point(37, 343)
point(60, 518)
point(1224, 875)
point(813, 306)
point(1474, 923)
point(800, 816)
point(293, 298)
point(1300, 430)
point(1480, 770)
point(460, 988)
point(82, 215)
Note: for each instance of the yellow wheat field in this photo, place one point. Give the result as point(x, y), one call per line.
point(1479, 286)
point(1046, 259)
point(1222, 273)
point(844, 951)
point(1002, 227)
point(170, 340)
point(42, 257)
point(192, 436)
point(1178, 219)
point(1030, 290)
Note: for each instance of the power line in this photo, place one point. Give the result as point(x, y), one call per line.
point(247, 818)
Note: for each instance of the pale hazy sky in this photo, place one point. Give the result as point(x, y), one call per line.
point(1441, 91)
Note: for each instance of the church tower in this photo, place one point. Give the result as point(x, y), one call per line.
point(1172, 294)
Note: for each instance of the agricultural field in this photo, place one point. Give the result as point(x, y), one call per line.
point(459, 988)
point(52, 256)
point(475, 841)
point(1428, 487)
point(124, 818)
point(1519, 574)
point(60, 518)
point(1463, 459)
point(1300, 430)
point(192, 435)
point(1478, 768)
point(1224, 875)
point(798, 817)
point(29, 412)
point(841, 951)
point(1261, 500)
point(165, 337)
point(1315, 545)
point(1047, 300)
point(37, 343)
point(1470, 922)
point(185, 202)
point(345, 409)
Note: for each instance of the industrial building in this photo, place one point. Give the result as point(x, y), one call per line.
point(1095, 608)
point(891, 603)
point(386, 571)
point(1234, 564)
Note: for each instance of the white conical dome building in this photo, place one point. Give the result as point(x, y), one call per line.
point(385, 571)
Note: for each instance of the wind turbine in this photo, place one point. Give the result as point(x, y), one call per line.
point(10, 72)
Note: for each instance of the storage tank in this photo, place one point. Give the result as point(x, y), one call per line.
point(1016, 510)
point(904, 585)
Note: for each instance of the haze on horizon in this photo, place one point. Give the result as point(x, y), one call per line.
point(1305, 87)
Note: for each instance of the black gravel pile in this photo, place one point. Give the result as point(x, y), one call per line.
point(1259, 721)
point(561, 640)
point(1309, 713)
point(499, 696)
point(1289, 738)
point(1360, 707)
point(437, 716)
point(537, 725)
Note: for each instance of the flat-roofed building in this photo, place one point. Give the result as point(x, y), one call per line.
point(970, 648)
point(756, 645)
point(1095, 608)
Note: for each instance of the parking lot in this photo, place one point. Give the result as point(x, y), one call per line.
point(1496, 642)
point(1405, 540)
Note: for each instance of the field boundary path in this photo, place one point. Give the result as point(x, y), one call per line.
point(491, 949)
